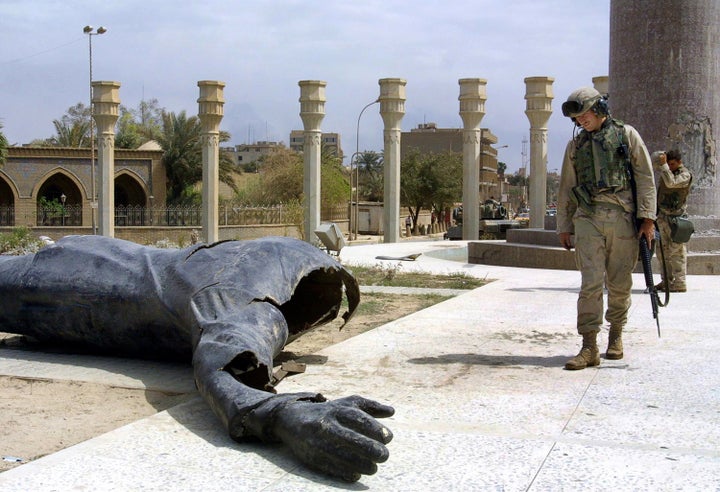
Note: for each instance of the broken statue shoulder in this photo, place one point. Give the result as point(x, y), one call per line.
point(230, 307)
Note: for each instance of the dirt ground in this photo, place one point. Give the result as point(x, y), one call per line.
point(40, 417)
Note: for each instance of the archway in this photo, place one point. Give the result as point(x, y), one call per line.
point(130, 201)
point(59, 202)
point(7, 204)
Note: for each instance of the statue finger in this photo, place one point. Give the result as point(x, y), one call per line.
point(371, 407)
point(364, 424)
point(347, 454)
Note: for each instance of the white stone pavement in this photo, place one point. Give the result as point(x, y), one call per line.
point(481, 399)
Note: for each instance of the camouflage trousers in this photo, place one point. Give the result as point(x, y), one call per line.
point(606, 251)
point(675, 255)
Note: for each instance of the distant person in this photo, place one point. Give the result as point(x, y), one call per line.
point(596, 205)
point(674, 181)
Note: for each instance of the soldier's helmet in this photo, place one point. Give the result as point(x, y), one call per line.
point(580, 101)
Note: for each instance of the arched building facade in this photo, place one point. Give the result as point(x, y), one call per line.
point(42, 186)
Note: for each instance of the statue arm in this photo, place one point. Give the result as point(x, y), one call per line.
point(232, 365)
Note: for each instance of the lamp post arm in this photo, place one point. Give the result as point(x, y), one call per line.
point(355, 215)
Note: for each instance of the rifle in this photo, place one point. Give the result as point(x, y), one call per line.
point(645, 252)
point(646, 257)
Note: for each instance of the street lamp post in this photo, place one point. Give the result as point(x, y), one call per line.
point(62, 200)
point(355, 215)
point(93, 201)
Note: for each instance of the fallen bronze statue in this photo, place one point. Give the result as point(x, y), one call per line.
point(230, 307)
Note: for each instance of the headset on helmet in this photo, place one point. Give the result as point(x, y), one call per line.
point(584, 99)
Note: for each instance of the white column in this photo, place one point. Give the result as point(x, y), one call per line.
point(538, 96)
point(472, 109)
point(392, 110)
point(106, 101)
point(210, 112)
point(601, 83)
point(312, 112)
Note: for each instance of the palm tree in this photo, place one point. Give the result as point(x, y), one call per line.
point(71, 134)
point(179, 138)
point(370, 170)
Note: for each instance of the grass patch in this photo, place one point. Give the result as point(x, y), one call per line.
point(373, 302)
point(392, 276)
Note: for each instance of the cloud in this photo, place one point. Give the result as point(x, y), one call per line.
point(260, 49)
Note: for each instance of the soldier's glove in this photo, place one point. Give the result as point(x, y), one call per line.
point(339, 437)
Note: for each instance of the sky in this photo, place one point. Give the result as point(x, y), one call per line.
point(160, 49)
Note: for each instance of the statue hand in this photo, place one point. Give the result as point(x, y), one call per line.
point(339, 437)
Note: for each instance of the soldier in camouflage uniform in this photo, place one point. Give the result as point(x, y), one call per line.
point(596, 206)
point(674, 182)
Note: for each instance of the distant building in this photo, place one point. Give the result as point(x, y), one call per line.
point(427, 137)
point(249, 153)
point(328, 140)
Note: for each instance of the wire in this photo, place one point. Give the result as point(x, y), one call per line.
point(27, 57)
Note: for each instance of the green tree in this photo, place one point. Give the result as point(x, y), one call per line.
point(282, 175)
point(430, 181)
point(518, 180)
point(552, 187)
point(182, 156)
point(70, 133)
point(127, 133)
point(334, 185)
point(370, 176)
point(3, 147)
point(501, 168)
point(138, 125)
point(71, 130)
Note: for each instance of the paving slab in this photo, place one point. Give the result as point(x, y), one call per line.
point(482, 401)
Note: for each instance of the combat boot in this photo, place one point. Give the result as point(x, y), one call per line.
point(589, 354)
point(615, 345)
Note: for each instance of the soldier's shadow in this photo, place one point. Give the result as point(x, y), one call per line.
point(492, 360)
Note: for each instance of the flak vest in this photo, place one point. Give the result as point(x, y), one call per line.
point(601, 159)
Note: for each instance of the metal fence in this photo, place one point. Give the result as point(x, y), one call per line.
point(7, 215)
point(229, 214)
point(64, 215)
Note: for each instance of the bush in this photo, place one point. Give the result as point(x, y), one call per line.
point(20, 241)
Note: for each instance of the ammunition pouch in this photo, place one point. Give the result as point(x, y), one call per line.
point(681, 228)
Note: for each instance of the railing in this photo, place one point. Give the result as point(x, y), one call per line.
point(7, 215)
point(180, 215)
point(65, 215)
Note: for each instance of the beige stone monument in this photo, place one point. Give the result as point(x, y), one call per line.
point(472, 110)
point(392, 109)
point(538, 96)
point(312, 112)
point(106, 102)
point(601, 83)
point(210, 112)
